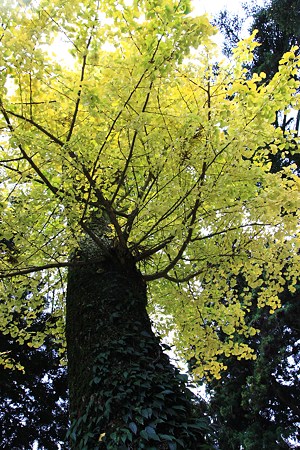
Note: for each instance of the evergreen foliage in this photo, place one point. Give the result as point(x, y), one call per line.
point(256, 402)
point(33, 403)
point(277, 25)
point(278, 30)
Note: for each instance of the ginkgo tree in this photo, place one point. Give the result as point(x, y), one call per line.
point(135, 180)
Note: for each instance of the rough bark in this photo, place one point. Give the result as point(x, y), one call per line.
point(124, 393)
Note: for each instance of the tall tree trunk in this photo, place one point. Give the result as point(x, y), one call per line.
point(124, 393)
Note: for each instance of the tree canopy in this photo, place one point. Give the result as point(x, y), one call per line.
point(137, 130)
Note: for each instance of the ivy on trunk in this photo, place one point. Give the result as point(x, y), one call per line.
point(124, 392)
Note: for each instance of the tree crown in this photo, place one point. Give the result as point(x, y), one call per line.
point(167, 150)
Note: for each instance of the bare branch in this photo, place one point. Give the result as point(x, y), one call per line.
point(111, 128)
point(192, 81)
point(184, 279)
point(124, 106)
point(84, 59)
point(151, 251)
point(61, 30)
point(10, 159)
point(90, 176)
point(36, 125)
point(297, 126)
point(37, 170)
point(122, 177)
point(34, 103)
point(218, 233)
point(174, 206)
point(131, 35)
point(32, 269)
point(164, 272)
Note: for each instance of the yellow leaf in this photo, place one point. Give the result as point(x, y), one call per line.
point(101, 437)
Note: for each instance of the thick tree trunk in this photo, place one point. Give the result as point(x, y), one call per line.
point(124, 393)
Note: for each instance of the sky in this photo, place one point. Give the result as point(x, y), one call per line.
point(213, 6)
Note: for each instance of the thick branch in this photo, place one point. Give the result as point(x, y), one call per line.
point(95, 238)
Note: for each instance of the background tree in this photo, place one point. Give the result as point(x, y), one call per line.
point(255, 402)
point(131, 166)
point(278, 30)
point(33, 405)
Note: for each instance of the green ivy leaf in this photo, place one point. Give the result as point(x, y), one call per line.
point(133, 427)
point(152, 433)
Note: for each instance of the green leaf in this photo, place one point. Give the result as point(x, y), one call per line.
point(133, 427)
point(147, 412)
point(172, 446)
point(166, 437)
point(144, 435)
point(152, 433)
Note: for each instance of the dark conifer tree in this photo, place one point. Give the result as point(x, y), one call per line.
point(256, 403)
point(33, 402)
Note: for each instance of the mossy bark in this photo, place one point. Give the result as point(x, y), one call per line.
point(124, 393)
